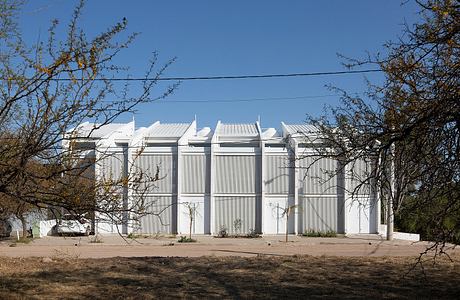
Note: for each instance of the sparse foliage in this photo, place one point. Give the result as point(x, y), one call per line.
point(46, 91)
point(417, 110)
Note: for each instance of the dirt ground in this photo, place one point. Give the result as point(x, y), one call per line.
point(114, 246)
point(263, 277)
point(263, 268)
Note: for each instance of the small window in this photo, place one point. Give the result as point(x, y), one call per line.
point(234, 145)
point(161, 145)
point(275, 146)
point(85, 146)
point(200, 145)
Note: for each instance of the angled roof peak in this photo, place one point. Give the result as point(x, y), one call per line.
point(238, 129)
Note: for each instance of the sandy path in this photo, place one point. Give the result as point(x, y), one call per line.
point(113, 246)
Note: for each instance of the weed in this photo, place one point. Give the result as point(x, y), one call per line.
point(253, 234)
point(184, 239)
point(237, 226)
point(23, 240)
point(96, 239)
point(314, 233)
point(223, 233)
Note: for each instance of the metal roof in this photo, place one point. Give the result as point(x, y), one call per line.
point(109, 129)
point(301, 128)
point(168, 130)
point(247, 129)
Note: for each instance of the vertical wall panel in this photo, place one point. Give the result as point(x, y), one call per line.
point(161, 218)
point(320, 213)
point(237, 174)
point(229, 209)
point(112, 166)
point(359, 177)
point(195, 174)
point(277, 172)
point(148, 163)
point(318, 177)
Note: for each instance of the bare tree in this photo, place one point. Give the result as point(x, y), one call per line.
point(46, 91)
point(416, 111)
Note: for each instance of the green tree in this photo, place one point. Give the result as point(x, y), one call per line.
point(50, 87)
point(416, 110)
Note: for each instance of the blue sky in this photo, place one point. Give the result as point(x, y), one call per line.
point(211, 38)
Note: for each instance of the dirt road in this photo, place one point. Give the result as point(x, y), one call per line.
point(114, 246)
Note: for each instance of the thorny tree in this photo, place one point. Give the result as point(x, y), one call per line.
point(48, 88)
point(417, 110)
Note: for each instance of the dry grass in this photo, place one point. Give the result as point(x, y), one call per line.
point(226, 277)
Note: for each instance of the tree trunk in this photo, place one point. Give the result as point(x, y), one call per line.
point(190, 231)
point(24, 225)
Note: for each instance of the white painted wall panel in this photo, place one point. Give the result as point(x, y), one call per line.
point(274, 220)
point(277, 174)
point(319, 213)
point(195, 174)
point(359, 175)
point(160, 219)
point(112, 166)
point(147, 163)
point(237, 174)
point(199, 206)
point(317, 177)
point(229, 209)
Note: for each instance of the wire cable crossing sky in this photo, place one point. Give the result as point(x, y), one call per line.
point(262, 56)
point(228, 77)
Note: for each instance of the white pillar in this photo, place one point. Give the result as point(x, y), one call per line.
point(390, 214)
point(296, 190)
point(262, 183)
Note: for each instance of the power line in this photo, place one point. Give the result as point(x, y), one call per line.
point(261, 76)
point(281, 99)
point(253, 76)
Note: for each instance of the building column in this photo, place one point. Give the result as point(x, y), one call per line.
point(262, 184)
point(297, 216)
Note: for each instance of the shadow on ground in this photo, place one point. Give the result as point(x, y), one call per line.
point(227, 277)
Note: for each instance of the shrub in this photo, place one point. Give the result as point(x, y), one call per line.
point(185, 239)
point(253, 234)
point(314, 233)
point(223, 233)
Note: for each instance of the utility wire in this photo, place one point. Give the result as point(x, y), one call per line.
point(281, 99)
point(227, 77)
point(253, 76)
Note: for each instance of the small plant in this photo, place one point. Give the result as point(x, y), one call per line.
point(21, 240)
point(314, 233)
point(253, 234)
point(96, 239)
point(185, 239)
point(223, 233)
point(24, 240)
point(237, 226)
point(134, 236)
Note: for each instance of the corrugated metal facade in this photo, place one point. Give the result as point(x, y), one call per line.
point(112, 166)
point(277, 174)
point(316, 176)
point(237, 174)
point(196, 173)
point(320, 213)
point(160, 221)
point(229, 209)
point(225, 178)
point(167, 165)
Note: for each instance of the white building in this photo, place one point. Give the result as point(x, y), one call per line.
point(237, 176)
